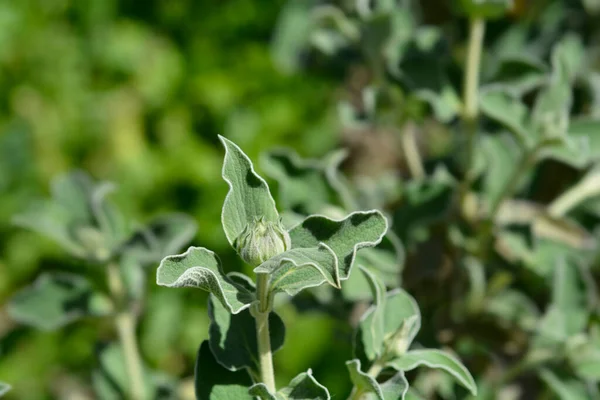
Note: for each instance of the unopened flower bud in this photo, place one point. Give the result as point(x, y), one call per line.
point(261, 240)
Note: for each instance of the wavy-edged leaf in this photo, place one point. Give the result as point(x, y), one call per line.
point(233, 339)
point(364, 383)
point(249, 197)
point(214, 382)
point(373, 327)
point(438, 359)
point(302, 387)
point(402, 321)
point(55, 300)
point(344, 237)
point(200, 268)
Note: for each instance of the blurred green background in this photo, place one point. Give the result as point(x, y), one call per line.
point(136, 93)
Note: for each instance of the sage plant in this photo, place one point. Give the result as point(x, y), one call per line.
point(84, 222)
point(237, 360)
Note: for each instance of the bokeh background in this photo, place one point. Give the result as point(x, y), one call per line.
point(136, 93)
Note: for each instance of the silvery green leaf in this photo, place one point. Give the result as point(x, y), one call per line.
point(302, 387)
point(373, 327)
point(326, 245)
point(214, 382)
point(582, 146)
point(583, 353)
point(506, 110)
point(436, 359)
point(385, 260)
point(56, 299)
point(162, 236)
point(249, 197)
point(233, 339)
point(395, 388)
point(564, 388)
point(568, 57)
point(363, 383)
point(4, 388)
point(402, 321)
point(111, 380)
point(199, 267)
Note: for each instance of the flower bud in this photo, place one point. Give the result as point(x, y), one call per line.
point(260, 241)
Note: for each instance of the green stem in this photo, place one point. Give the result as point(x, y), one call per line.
point(471, 96)
point(125, 323)
point(262, 331)
point(411, 152)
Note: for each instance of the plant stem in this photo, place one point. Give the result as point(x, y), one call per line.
point(125, 323)
point(262, 332)
point(411, 151)
point(471, 96)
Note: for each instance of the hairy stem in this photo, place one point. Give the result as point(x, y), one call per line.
point(411, 151)
point(262, 332)
point(471, 96)
point(125, 323)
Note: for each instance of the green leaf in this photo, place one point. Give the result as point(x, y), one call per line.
point(584, 147)
point(200, 268)
point(56, 299)
point(324, 244)
point(436, 359)
point(4, 388)
point(512, 307)
point(373, 327)
point(233, 339)
point(302, 387)
point(111, 380)
point(213, 382)
point(163, 236)
point(402, 321)
point(363, 382)
point(567, 389)
point(502, 156)
point(568, 57)
point(249, 198)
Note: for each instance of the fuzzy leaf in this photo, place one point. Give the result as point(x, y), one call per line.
point(199, 267)
point(568, 57)
point(4, 388)
point(233, 339)
point(436, 359)
point(55, 300)
point(213, 382)
point(163, 236)
point(302, 387)
point(327, 245)
point(373, 327)
point(364, 383)
point(249, 197)
point(402, 321)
